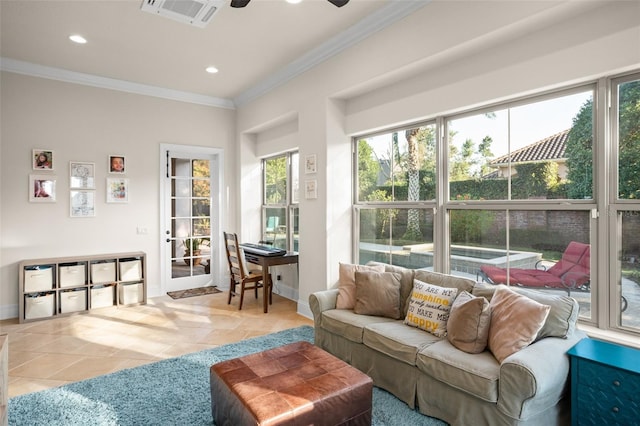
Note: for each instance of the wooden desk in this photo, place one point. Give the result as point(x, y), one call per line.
point(265, 262)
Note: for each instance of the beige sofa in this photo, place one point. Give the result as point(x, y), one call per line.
point(427, 372)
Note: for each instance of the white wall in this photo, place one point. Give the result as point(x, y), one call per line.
point(81, 123)
point(446, 57)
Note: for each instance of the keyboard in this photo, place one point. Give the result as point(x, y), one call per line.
point(262, 250)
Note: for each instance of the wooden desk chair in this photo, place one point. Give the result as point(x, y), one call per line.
point(239, 272)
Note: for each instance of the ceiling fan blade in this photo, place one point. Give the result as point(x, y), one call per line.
point(241, 3)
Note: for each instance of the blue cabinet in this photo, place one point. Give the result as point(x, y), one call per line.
point(605, 384)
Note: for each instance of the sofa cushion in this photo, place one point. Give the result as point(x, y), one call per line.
point(563, 314)
point(406, 282)
point(476, 374)
point(397, 340)
point(347, 285)
point(378, 293)
point(469, 321)
point(515, 322)
point(429, 307)
point(348, 324)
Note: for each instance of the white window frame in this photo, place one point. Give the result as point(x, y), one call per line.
point(289, 205)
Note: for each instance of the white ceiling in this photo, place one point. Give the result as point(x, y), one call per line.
point(255, 48)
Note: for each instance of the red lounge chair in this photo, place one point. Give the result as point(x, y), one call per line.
point(571, 273)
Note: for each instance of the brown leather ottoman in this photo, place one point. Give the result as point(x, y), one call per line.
point(296, 384)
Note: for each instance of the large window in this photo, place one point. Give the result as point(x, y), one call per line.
point(280, 201)
point(398, 165)
point(395, 189)
point(518, 159)
point(540, 149)
point(517, 193)
point(626, 205)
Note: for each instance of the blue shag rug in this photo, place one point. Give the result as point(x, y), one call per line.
point(170, 392)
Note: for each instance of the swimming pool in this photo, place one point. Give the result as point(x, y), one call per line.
point(465, 259)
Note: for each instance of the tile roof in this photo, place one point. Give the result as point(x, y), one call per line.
point(551, 148)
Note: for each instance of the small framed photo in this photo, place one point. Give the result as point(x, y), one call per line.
point(82, 175)
point(310, 165)
point(117, 190)
point(82, 203)
point(116, 164)
point(42, 159)
point(42, 189)
point(310, 189)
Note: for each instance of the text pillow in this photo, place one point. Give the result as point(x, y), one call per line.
point(347, 284)
point(429, 307)
point(378, 293)
point(515, 322)
point(469, 321)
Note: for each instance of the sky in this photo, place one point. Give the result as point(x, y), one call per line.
point(526, 124)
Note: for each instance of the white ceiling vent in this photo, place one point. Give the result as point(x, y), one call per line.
point(193, 12)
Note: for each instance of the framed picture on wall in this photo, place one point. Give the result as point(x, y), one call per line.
point(42, 189)
point(310, 165)
point(117, 190)
point(42, 159)
point(311, 189)
point(82, 203)
point(116, 164)
point(81, 175)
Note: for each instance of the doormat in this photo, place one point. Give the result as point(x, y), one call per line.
point(200, 291)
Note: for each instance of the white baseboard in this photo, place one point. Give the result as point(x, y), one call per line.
point(304, 309)
point(285, 291)
point(8, 312)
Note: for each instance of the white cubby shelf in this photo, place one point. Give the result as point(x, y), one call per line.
point(59, 286)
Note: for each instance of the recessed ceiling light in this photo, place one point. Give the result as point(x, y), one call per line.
point(212, 70)
point(294, 1)
point(77, 38)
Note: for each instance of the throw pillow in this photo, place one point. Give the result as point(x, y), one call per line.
point(469, 321)
point(347, 285)
point(406, 281)
point(429, 307)
point(377, 293)
point(485, 290)
point(563, 314)
point(515, 322)
point(445, 280)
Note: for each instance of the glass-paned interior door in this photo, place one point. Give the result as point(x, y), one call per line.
point(189, 230)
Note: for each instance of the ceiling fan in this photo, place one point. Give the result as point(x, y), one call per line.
point(243, 3)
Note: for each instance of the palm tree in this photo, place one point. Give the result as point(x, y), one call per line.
point(413, 180)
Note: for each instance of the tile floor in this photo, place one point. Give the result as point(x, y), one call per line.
point(49, 353)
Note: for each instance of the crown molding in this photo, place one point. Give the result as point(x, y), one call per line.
point(383, 17)
point(35, 70)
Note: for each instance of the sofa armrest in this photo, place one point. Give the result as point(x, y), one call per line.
point(321, 301)
point(534, 379)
